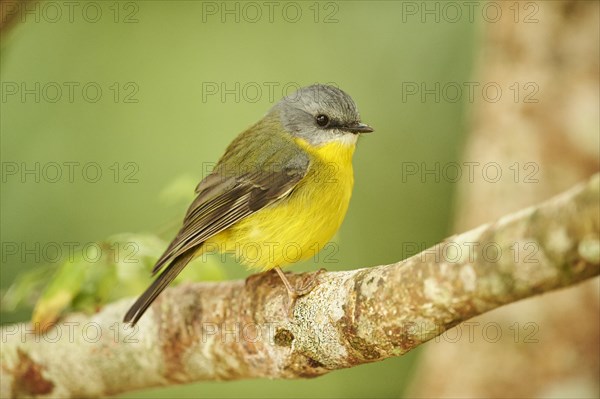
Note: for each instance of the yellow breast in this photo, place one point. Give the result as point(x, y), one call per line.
point(300, 225)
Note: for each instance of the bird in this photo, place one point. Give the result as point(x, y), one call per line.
point(277, 195)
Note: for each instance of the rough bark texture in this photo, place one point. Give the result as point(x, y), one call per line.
point(556, 132)
point(240, 329)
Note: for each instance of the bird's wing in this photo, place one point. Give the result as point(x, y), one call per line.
point(222, 201)
point(252, 174)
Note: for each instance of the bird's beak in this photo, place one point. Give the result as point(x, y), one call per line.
point(359, 128)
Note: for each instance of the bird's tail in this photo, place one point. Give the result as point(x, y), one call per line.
point(162, 281)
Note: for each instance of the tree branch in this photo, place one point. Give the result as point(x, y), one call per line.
point(240, 329)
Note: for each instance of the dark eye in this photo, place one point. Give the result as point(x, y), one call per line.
point(322, 120)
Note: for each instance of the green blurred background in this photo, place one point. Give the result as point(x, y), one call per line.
point(159, 58)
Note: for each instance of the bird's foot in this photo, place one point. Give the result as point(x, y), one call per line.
point(296, 292)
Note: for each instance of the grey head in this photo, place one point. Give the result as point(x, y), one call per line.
point(320, 114)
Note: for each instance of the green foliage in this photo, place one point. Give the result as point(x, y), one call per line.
point(116, 268)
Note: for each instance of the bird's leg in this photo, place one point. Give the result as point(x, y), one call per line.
point(310, 284)
point(291, 291)
point(295, 293)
